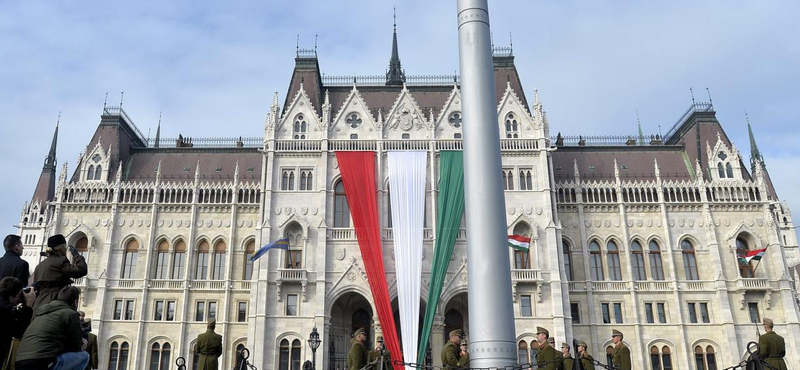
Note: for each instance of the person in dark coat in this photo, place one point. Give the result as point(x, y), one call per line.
point(55, 271)
point(357, 357)
point(54, 338)
point(11, 264)
point(772, 347)
point(15, 316)
point(209, 348)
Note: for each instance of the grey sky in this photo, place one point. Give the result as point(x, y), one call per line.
point(212, 67)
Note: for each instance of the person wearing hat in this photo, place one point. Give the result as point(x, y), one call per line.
point(586, 361)
point(463, 355)
point(621, 357)
point(546, 357)
point(380, 358)
point(56, 271)
point(559, 356)
point(451, 358)
point(569, 362)
point(357, 357)
point(771, 346)
point(209, 347)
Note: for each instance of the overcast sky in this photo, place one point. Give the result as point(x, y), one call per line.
point(212, 67)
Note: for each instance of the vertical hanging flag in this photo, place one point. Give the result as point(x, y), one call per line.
point(407, 173)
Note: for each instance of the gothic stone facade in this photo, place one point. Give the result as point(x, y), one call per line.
point(635, 233)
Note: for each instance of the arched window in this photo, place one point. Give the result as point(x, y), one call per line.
point(82, 245)
point(218, 271)
point(299, 128)
point(97, 172)
point(160, 356)
point(656, 267)
point(118, 356)
point(283, 356)
point(162, 260)
point(201, 264)
point(729, 170)
point(512, 126)
point(178, 260)
point(721, 170)
point(291, 180)
point(90, 173)
point(249, 249)
point(522, 353)
point(296, 354)
point(237, 356)
point(565, 248)
point(689, 260)
point(637, 261)
point(129, 259)
point(341, 212)
point(596, 261)
point(705, 360)
point(609, 353)
point(294, 256)
point(661, 359)
point(614, 269)
point(745, 268)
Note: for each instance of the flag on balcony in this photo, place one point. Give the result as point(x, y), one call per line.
point(519, 243)
point(752, 255)
point(280, 244)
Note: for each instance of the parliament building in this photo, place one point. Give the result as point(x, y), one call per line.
point(639, 233)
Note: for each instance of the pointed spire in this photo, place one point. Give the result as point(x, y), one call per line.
point(639, 123)
point(158, 133)
point(756, 159)
point(395, 75)
point(698, 171)
point(50, 160)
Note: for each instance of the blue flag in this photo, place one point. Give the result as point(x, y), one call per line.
point(280, 244)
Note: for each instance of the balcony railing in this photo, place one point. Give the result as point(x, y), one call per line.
point(166, 284)
point(696, 285)
point(342, 233)
point(753, 283)
point(653, 286)
point(610, 286)
point(125, 283)
point(525, 275)
point(292, 275)
point(241, 285)
point(80, 282)
point(207, 285)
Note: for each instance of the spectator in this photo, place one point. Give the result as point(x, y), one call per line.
point(15, 315)
point(55, 271)
point(53, 339)
point(91, 348)
point(11, 264)
point(209, 348)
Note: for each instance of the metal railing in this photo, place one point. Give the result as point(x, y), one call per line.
point(695, 107)
point(119, 112)
point(207, 142)
point(380, 80)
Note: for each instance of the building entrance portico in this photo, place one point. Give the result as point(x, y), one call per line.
point(349, 312)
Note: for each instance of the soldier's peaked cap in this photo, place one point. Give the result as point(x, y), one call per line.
point(582, 343)
point(767, 322)
point(359, 331)
point(616, 332)
point(541, 330)
point(564, 345)
point(463, 342)
point(457, 332)
point(551, 340)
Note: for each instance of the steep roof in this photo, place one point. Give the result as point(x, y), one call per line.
point(180, 164)
point(46, 186)
point(635, 163)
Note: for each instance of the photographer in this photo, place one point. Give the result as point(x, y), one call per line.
point(54, 338)
point(55, 271)
point(91, 348)
point(15, 315)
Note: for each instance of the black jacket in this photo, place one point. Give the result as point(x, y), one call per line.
point(12, 265)
point(13, 322)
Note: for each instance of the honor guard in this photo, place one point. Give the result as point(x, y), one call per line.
point(585, 360)
point(559, 356)
point(452, 358)
point(771, 347)
point(569, 362)
point(380, 358)
point(621, 358)
point(357, 357)
point(546, 356)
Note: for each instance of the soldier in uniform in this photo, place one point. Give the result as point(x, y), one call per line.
point(357, 357)
point(569, 362)
point(463, 355)
point(621, 358)
point(771, 347)
point(585, 360)
point(208, 347)
point(559, 356)
point(546, 356)
point(451, 358)
point(380, 358)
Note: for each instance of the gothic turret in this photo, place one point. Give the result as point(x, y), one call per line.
point(755, 155)
point(46, 187)
point(395, 75)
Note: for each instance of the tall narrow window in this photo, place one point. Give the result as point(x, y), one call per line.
point(605, 309)
point(291, 305)
point(711, 359)
point(648, 313)
point(129, 263)
point(158, 313)
point(170, 310)
point(575, 312)
point(689, 260)
point(98, 172)
point(296, 346)
point(614, 268)
point(249, 249)
point(241, 313)
point(637, 261)
point(113, 356)
point(752, 308)
point(721, 170)
point(692, 312)
point(162, 260)
point(341, 212)
point(745, 268)
point(218, 272)
point(666, 358)
point(704, 317)
point(618, 313)
point(299, 128)
point(212, 310)
point(567, 259)
point(522, 353)
point(166, 349)
point(155, 356)
point(525, 308)
point(201, 265)
point(90, 173)
point(655, 358)
point(512, 126)
point(294, 256)
point(656, 267)
point(596, 261)
point(179, 260)
point(129, 309)
point(729, 170)
point(118, 309)
point(200, 311)
point(662, 313)
point(283, 356)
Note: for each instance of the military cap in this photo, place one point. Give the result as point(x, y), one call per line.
point(582, 343)
point(457, 332)
point(564, 345)
point(359, 331)
point(541, 330)
point(463, 342)
point(212, 323)
point(56, 241)
point(379, 338)
point(616, 332)
point(552, 341)
point(767, 322)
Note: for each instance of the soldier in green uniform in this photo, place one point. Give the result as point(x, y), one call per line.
point(380, 358)
point(569, 362)
point(451, 357)
point(357, 357)
point(621, 357)
point(771, 347)
point(463, 355)
point(546, 355)
point(559, 356)
point(586, 360)
point(208, 347)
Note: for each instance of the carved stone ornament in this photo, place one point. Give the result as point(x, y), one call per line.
point(340, 253)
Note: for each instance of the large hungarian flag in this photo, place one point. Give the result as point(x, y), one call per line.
point(519, 242)
point(752, 255)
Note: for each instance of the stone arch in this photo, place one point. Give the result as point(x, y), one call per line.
point(245, 240)
point(691, 238)
point(341, 291)
point(159, 338)
point(118, 338)
point(200, 238)
point(177, 238)
point(657, 238)
point(753, 241)
point(217, 239)
point(661, 342)
point(639, 238)
point(128, 238)
point(335, 179)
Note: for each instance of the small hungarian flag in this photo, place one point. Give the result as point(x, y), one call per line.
point(280, 244)
point(752, 255)
point(519, 242)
